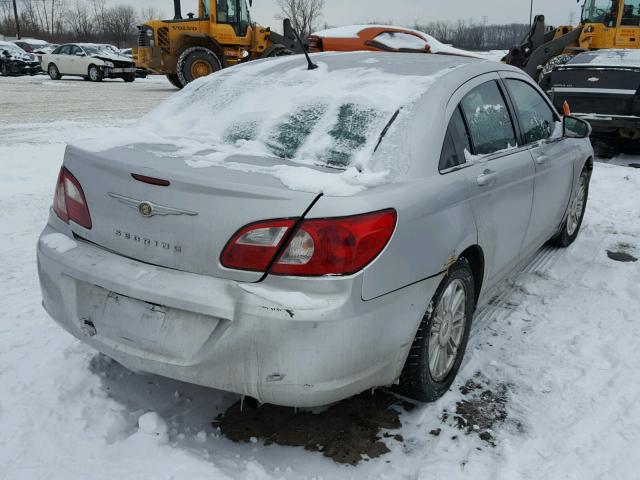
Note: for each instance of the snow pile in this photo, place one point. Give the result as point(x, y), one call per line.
point(152, 424)
point(352, 31)
point(329, 117)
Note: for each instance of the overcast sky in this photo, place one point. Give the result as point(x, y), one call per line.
point(344, 12)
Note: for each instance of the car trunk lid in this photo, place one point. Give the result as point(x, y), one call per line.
point(184, 225)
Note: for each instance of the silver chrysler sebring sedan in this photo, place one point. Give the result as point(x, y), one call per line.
point(300, 236)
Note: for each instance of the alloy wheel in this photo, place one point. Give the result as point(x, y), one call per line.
point(447, 330)
point(577, 206)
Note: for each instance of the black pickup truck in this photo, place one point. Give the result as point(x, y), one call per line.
point(602, 87)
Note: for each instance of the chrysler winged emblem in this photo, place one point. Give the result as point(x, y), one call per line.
point(149, 209)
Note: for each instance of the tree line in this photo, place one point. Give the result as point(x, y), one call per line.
point(60, 21)
point(470, 35)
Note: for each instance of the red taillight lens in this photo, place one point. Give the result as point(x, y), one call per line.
point(254, 246)
point(69, 201)
point(336, 246)
point(331, 246)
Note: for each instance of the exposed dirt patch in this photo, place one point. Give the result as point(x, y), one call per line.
point(483, 409)
point(347, 432)
point(622, 253)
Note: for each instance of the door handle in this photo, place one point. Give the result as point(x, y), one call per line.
point(487, 178)
point(542, 159)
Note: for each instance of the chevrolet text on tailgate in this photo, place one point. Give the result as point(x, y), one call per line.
point(300, 236)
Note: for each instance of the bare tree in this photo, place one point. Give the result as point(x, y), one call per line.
point(80, 23)
point(121, 23)
point(150, 13)
point(304, 14)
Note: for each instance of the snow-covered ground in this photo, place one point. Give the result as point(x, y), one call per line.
point(552, 365)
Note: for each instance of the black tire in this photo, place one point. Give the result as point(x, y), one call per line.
point(416, 380)
point(571, 225)
point(174, 80)
point(95, 73)
point(194, 60)
point(53, 72)
point(130, 78)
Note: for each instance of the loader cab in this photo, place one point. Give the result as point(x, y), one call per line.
point(612, 13)
point(234, 13)
point(601, 11)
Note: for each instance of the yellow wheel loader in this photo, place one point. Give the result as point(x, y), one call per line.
point(605, 24)
point(220, 35)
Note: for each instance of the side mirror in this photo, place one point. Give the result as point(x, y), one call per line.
point(573, 127)
point(80, 54)
point(5, 53)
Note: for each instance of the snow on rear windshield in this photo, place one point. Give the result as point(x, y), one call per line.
point(323, 117)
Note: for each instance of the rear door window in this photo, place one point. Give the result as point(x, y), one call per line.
point(455, 144)
point(489, 120)
point(536, 117)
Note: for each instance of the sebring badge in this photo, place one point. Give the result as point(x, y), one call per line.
point(150, 209)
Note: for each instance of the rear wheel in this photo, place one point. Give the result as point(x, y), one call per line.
point(439, 345)
point(174, 80)
point(95, 74)
point(53, 72)
point(577, 207)
point(197, 62)
point(130, 78)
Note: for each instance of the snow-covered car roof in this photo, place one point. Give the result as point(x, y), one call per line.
point(277, 109)
point(34, 42)
point(352, 31)
point(607, 58)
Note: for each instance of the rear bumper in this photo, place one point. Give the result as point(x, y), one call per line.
point(320, 348)
point(604, 123)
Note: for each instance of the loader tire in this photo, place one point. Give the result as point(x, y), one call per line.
point(197, 62)
point(174, 80)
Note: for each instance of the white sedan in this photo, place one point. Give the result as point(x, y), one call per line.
point(90, 61)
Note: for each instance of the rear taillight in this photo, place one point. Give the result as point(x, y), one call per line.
point(329, 246)
point(254, 246)
point(69, 201)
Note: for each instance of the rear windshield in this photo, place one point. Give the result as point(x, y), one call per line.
point(322, 117)
point(349, 126)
